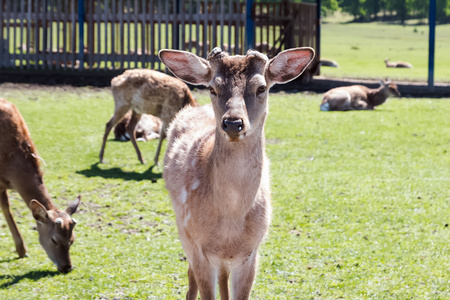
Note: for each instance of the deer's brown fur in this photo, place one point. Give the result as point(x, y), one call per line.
point(398, 64)
point(19, 170)
point(146, 92)
point(216, 169)
point(358, 97)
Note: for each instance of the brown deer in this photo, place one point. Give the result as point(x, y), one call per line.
point(149, 92)
point(19, 170)
point(358, 97)
point(400, 64)
point(216, 169)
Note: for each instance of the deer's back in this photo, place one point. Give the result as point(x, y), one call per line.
point(150, 92)
point(17, 148)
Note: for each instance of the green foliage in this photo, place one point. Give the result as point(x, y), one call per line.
point(360, 203)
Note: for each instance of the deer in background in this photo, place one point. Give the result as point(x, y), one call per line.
point(19, 170)
point(358, 97)
point(216, 169)
point(147, 128)
point(149, 92)
point(400, 64)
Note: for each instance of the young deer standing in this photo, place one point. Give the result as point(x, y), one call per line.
point(358, 97)
point(149, 92)
point(19, 170)
point(216, 168)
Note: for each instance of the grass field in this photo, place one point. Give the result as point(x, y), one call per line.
point(361, 203)
point(361, 48)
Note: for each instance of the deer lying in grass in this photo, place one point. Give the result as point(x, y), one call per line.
point(147, 128)
point(149, 92)
point(216, 169)
point(358, 97)
point(400, 64)
point(19, 170)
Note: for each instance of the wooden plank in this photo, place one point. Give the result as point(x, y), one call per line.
point(105, 32)
point(113, 30)
point(152, 33)
point(128, 34)
point(122, 38)
point(143, 27)
point(197, 30)
point(73, 36)
point(65, 32)
point(22, 19)
point(222, 21)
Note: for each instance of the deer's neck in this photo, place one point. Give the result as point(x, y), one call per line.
point(30, 185)
point(377, 96)
point(236, 172)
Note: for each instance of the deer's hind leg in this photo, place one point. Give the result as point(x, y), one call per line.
point(119, 112)
point(223, 283)
point(131, 129)
point(162, 136)
point(193, 288)
point(18, 240)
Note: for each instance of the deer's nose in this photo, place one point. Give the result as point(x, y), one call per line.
point(65, 269)
point(233, 125)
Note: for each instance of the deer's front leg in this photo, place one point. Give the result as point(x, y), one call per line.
point(204, 275)
point(242, 276)
point(18, 240)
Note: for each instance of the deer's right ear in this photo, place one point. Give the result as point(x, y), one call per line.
point(187, 66)
point(39, 211)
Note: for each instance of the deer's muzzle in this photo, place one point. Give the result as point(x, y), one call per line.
point(234, 128)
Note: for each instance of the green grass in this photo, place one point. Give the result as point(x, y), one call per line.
point(361, 204)
point(361, 48)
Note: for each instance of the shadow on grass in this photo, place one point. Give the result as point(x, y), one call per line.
point(33, 275)
point(6, 260)
point(95, 171)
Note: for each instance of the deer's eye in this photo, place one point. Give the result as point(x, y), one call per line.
point(212, 91)
point(54, 241)
point(261, 89)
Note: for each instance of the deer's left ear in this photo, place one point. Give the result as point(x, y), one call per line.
point(289, 64)
point(187, 66)
point(39, 212)
point(72, 208)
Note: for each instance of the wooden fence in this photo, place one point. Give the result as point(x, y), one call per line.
point(102, 35)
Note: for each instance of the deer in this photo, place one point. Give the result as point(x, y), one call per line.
point(400, 64)
point(216, 169)
point(19, 170)
point(146, 92)
point(358, 97)
point(147, 128)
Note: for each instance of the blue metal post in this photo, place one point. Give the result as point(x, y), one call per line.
point(431, 42)
point(250, 29)
point(81, 32)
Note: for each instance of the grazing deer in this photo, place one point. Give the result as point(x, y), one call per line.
point(146, 92)
point(147, 128)
point(19, 170)
point(216, 168)
point(400, 64)
point(358, 97)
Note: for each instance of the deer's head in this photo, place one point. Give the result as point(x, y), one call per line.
point(55, 228)
point(390, 87)
point(238, 85)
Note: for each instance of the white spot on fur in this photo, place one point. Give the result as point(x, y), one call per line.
point(186, 219)
point(183, 196)
point(193, 162)
point(195, 184)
